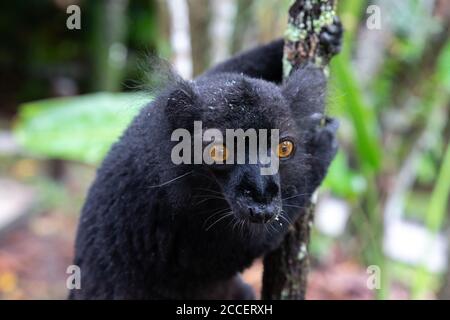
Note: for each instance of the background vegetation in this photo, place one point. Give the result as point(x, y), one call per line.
point(66, 95)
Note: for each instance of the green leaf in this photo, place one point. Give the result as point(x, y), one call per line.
point(435, 217)
point(81, 128)
point(342, 181)
point(437, 209)
point(363, 117)
point(443, 67)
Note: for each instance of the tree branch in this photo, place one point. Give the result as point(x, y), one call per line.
point(286, 268)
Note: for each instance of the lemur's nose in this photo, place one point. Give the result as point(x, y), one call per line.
point(261, 189)
point(262, 201)
point(263, 213)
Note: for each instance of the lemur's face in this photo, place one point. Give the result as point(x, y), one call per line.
point(253, 190)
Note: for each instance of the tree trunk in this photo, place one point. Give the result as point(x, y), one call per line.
point(286, 268)
point(109, 28)
point(180, 37)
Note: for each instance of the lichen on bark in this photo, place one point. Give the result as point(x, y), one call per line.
point(307, 18)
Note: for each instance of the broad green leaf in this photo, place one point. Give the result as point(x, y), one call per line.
point(78, 128)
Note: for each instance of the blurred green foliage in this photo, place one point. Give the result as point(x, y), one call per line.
point(41, 58)
point(76, 128)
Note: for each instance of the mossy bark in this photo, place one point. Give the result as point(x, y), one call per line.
point(286, 268)
point(307, 20)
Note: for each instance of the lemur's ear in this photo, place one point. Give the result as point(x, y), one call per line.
point(182, 104)
point(305, 90)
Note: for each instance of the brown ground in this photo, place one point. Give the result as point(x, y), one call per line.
point(35, 255)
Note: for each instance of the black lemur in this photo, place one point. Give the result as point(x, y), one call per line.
point(151, 229)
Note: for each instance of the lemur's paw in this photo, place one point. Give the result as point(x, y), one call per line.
point(322, 136)
point(331, 37)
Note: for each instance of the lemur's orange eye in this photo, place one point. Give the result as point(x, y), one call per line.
point(218, 153)
point(285, 149)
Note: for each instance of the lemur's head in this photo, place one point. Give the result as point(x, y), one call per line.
point(245, 141)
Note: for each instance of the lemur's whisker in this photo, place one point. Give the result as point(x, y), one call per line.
point(205, 198)
point(294, 196)
point(218, 212)
point(220, 219)
point(209, 196)
point(209, 190)
point(170, 181)
point(293, 206)
point(285, 219)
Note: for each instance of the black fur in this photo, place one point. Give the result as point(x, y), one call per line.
point(154, 230)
